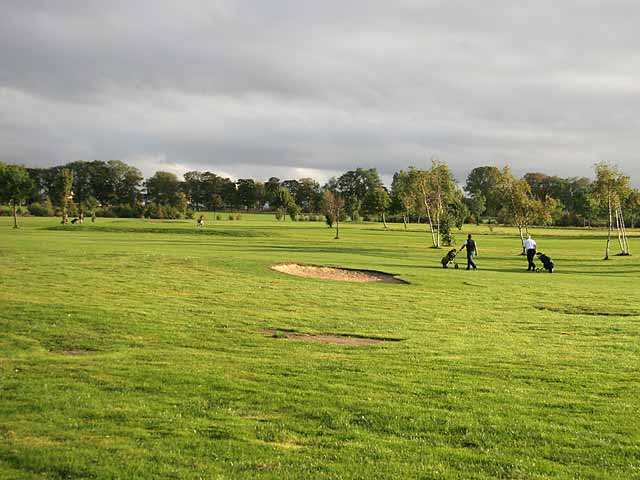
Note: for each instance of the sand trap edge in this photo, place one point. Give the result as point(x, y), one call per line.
point(341, 274)
point(326, 338)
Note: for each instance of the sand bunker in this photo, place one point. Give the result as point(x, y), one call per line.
point(326, 338)
point(335, 273)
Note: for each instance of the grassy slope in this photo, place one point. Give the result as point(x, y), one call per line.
point(131, 349)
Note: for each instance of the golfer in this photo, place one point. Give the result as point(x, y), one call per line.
point(530, 247)
point(472, 249)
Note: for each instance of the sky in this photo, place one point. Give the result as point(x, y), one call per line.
point(296, 88)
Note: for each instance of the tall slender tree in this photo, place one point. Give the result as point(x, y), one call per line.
point(332, 203)
point(611, 188)
point(64, 186)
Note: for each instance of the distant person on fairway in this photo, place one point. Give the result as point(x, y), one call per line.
point(472, 249)
point(201, 221)
point(530, 247)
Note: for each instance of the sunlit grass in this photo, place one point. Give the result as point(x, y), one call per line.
point(133, 349)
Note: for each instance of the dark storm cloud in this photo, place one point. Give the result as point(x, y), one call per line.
point(250, 88)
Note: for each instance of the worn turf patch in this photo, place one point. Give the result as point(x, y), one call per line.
point(577, 310)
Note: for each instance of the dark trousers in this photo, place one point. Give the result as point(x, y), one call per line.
point(531, 254)
point(470, 263)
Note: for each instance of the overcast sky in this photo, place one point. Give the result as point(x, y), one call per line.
point(314, 88)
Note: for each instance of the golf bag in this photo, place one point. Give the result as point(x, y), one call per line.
point(450, 258)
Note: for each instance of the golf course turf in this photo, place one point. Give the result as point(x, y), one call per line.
point(140, 349)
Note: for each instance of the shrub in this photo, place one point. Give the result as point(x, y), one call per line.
point(127, 211)
point(41, 210)
point(154, 210)
point(218, 217)
point(330, 219)
point(190, 215)
point(105, 212)
point(293, 210)
point(279, 214)
point(238, 217)
point(231, 217)
point(7, 211)
point(72, 209)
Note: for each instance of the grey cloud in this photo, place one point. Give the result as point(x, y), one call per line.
point(248, 87)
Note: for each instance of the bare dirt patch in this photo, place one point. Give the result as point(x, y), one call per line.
point(76, 351)
point(326, 338)
point(335, 273)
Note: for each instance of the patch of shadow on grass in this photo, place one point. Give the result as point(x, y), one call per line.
point(159, 230)
point(470, 284)
point(214, 432)
point(72, 350)
point(577, 310)
point(335, 339)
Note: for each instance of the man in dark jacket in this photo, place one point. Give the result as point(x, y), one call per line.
point(472, 249)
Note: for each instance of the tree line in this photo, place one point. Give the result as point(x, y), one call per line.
point(425, 195)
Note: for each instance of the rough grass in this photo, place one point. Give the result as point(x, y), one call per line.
point(133, 349)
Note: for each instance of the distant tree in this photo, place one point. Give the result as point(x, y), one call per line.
point(229, 193)
point(194, 187)
point(632, 207)
point(585, 204)
point(403, 198)
point(378, 201)
point(260, 195)
point(271, 188)
point(181, 203)
point(247, 193)
point(308, 195)
point(216, 202)
point(293, 210)
point(292, 186)
point(332, 203)
point(124, 183)
point(485, 182)
point(90, 204)
point(41, 184)
point(285, 201)
point(64, 185)
point(164, 188)
point(519, 208)
point(611, 188)
point(436, 189)
point(15, 187)
point(477, 206)
point(354, 186)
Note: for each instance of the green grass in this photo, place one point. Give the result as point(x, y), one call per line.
point(133, 349)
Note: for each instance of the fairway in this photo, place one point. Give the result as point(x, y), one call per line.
point(140, 349)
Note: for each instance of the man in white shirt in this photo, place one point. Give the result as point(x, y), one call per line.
point(530, 247)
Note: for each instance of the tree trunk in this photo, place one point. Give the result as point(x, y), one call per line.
point(384, 221)
point(625, 239)
point(606, 252)
point(619, 231)
point(404, 220)
point(337, 224)
point(438, 229)
point(433, 234)
point(15, 215)
point(521, 238)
